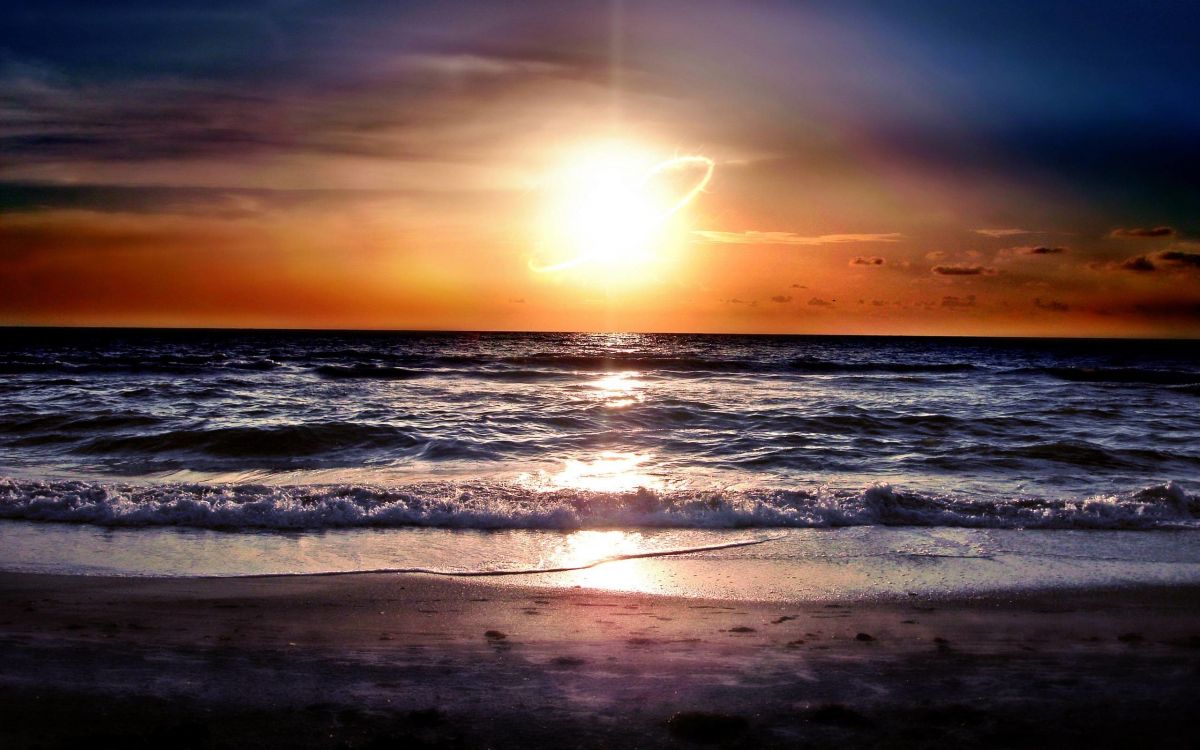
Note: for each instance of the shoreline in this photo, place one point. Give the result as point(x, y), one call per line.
point(26, 580)
point(306, 661)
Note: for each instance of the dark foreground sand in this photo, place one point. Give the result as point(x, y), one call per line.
point(384, 661)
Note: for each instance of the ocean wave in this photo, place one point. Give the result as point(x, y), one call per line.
point(507, 506)
point(536, 367)
point(153, 365)
point(1121, 375)
point(23, 423)
point(1080, 453)
point(683, 364)
point(808, 364)
point(388, 364)
point(266, 440)
point(370, 371)
point(373, 371)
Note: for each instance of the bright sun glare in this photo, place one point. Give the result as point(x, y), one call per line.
point(611, 206)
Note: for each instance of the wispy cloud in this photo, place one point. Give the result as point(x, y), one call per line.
point(1005, 232)
point(958, 302)
point(1141, 233)
point(1051, 305)
point(752, 237)
point(962, 270)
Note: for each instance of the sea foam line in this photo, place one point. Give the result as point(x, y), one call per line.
point(670, 552)
point(483, 505)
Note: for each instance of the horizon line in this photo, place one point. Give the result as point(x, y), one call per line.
point(7, 327)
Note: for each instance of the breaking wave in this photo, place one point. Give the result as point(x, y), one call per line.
point(510, 506)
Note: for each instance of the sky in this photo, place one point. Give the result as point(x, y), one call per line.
point(934, 167)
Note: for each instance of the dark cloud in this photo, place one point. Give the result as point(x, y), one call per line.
point(871, 260)
point(958, 302)
point(199, 201)
point(108, 86)
point(781, 298)
point(1042, 250)
point(818, 302)
point(1141, 264)
point(799, 286)
point(1139, 233)
point(1178, 257)
point(1051, 305)
point(1161, 260)
point(961, 270)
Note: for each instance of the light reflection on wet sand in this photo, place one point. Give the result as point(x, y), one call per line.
point(797, 564)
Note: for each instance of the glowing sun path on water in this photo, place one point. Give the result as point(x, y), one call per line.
point(611, 215)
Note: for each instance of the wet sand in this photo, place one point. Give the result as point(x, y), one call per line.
point(419, 661)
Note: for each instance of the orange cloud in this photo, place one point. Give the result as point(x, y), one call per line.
point(791, 238)
point(962, 270)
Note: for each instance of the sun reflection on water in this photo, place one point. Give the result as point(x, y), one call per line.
point(610, 471)
point(619, 389)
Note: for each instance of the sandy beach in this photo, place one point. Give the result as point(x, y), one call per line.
point(421, 661)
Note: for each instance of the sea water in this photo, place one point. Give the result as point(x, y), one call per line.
point(225, 453)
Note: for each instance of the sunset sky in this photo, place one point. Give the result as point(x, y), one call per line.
point(876, 167)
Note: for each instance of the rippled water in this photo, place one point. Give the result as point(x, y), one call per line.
point(564, 431)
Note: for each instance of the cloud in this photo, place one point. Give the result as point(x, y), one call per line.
point(219, 203)
point(799, 286)
point(1051, 305)
point(781, 298)
point(1141, 264)
point(817, 302)
point(344, 99)
point(995, 233)
point(1009, 253)
point(1162, 260)
point(871, 260)
point(791, 238)
point(958, 270)
point(958, 302)
point(1141, 233)
point(1180, 258)
point(738, 301)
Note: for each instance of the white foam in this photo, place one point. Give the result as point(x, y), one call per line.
point(499, 506)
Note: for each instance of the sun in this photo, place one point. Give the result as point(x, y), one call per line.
point(610, 207)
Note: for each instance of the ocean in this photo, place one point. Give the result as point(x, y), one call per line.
point(471, 452)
